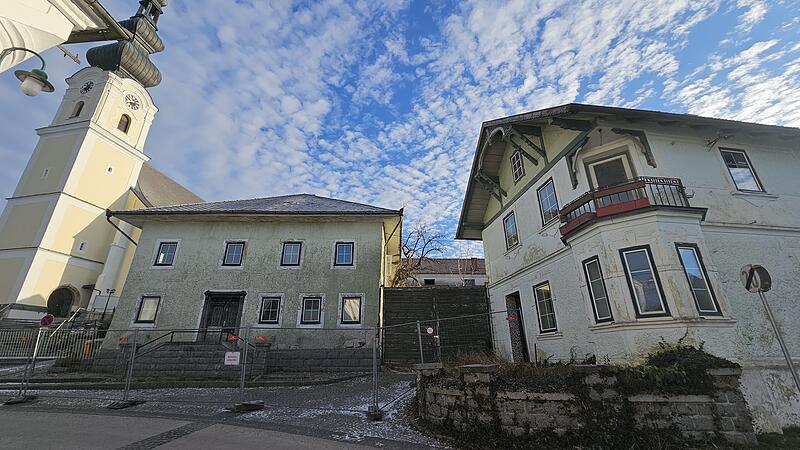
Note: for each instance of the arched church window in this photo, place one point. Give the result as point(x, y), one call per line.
point(77, 111)
point(60, 301)
point(124, 123)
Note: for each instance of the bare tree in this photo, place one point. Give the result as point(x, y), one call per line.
point(418, 246)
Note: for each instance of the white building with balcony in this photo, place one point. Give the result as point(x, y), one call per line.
point(612, 229)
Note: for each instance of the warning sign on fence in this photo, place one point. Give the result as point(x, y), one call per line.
point(232, 358)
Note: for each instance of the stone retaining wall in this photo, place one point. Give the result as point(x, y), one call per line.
point(722, 415)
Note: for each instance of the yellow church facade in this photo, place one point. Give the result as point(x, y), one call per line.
point(58, 250)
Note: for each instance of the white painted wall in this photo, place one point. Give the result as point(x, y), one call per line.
point(739, 228)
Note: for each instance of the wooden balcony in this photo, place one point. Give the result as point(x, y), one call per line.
point(639, 193)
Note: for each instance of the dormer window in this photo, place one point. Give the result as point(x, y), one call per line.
point(124, 123)
point(77, 111)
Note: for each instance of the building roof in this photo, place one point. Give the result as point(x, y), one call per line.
point(286, 205)
point(155, 189)
point(472, 266)
point(489, 152)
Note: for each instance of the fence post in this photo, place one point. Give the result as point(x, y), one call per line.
point(131, 362)
point(244, 364)
point(30, 372)
point(374, 412)
point(419, 339)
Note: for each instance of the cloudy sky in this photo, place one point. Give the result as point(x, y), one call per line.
point(382, 102)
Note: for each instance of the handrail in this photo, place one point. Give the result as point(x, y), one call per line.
point(663, 196)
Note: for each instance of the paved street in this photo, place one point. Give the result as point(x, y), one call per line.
point(322, 416)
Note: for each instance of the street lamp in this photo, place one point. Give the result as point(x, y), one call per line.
point(34, 81)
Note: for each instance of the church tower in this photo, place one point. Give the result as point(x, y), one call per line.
point(55, 240)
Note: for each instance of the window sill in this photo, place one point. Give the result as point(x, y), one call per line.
point(155, 267)
point(513, 248)
point(550, 335)
point(350, 326)
point(143, 325)
point(664, 322)
point(310, 325)
point(350, 267)
point(223, 267)
point(549, 225)
point(290, 267)
point(266, 325)
point(755, 194)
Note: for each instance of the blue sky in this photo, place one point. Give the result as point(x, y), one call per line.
point(381, 102)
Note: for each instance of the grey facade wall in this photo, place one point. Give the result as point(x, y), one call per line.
point(197, 269)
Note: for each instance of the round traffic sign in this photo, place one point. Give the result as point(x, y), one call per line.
point(46, 320)
point(755, 278)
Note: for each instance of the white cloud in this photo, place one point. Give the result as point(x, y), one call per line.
point(342, 99)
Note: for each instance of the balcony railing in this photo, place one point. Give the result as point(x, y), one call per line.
point(635, 194)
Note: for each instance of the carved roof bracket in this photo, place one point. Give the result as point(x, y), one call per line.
point(519, 148)
point(539, 149)
point(492, 185)
point(572, 151)
point(643, 144)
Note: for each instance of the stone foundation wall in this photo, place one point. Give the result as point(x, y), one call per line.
point(722, 415)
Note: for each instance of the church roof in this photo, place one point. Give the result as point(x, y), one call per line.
point(298, 204)
point(157, 190)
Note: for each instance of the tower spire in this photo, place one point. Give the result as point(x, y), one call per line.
point(130, 57)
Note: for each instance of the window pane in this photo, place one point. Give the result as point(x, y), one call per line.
point(311, 310)
point(547, 202)
point(697, 280)
point(148, 309)
point(291, 254)
point(637, 261)
point(344, 254)
point(744, 179)
point(593, 268)
point(233, 253)
point(610, 172)
point(647, 296)
point(740, 170)
point(602, 307)
point(351, 310)
point(270, 308)
point(510, 225)
point(517, 168)
point(544, 306)
point(166, 253)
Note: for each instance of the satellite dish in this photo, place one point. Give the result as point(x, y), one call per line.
point(756, 278)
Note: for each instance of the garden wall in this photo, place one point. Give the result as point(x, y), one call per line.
point(472, 400)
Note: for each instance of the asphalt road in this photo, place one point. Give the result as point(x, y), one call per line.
point(321, 416)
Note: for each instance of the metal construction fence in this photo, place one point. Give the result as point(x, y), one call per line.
point(242, 366)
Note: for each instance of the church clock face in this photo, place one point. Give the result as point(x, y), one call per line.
point(87, 87)
point(132, 101)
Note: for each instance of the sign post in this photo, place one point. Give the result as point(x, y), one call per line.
point(756, 279)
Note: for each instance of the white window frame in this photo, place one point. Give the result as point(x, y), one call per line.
point(517, 163)
point(593, 297)
point(629, 278)
point(624, 155)
point(340, 310)
point(541, 207)
point(333, 254)
point(699, 259)
point(300, 256)
point(539, 313)
point(240, 266)
point(135, 320)
point(749, 167)
point(303, 296)
point(156, 251)
point(505, 231)
point(281, 308)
